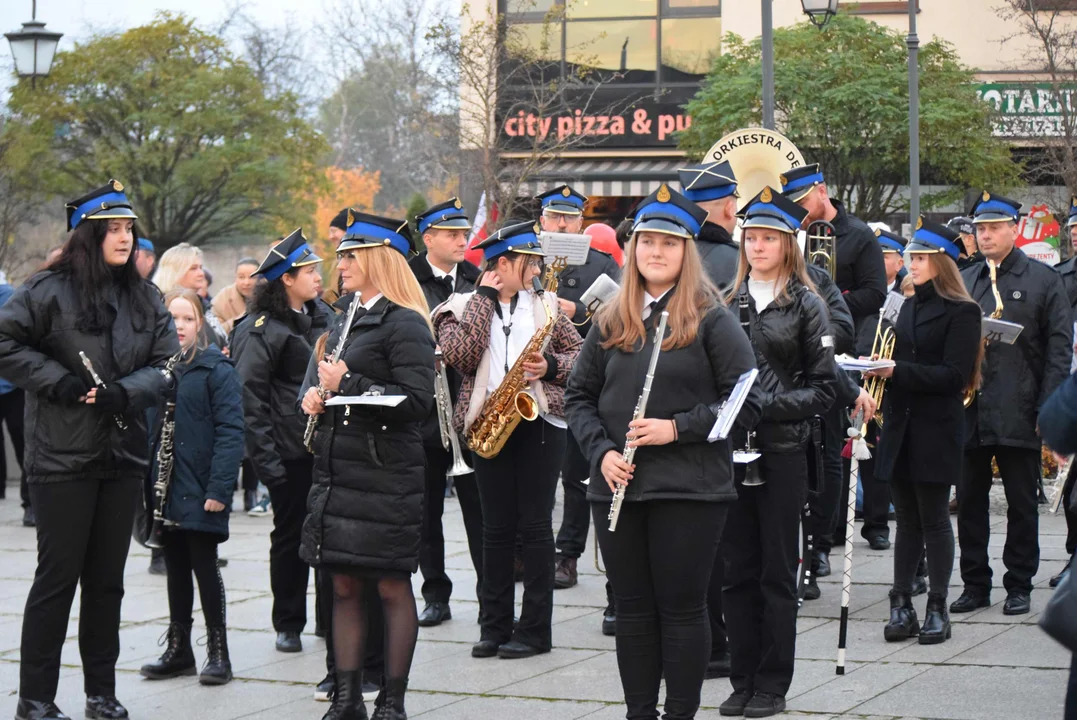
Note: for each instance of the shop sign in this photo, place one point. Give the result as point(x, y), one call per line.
point(644, 123)
point(1029, 110)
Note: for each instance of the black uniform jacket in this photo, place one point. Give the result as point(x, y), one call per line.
point(1018, 378)
point(861, 273)
point(937, 341)
point(271, 355)
point(795, 354)
point(437, 291)
point(576, 279)
point(719, 253)
point(1068, 271)
point(690, 384)
point(841, 330)
point(40, 340)
point(365, 508)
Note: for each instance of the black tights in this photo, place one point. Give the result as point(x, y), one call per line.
point(187, 550)
point(350, 623)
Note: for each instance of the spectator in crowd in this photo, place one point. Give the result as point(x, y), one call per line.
point(145, 257)
point(230, 304)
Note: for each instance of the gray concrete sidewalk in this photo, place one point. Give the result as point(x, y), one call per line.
point(994, 667)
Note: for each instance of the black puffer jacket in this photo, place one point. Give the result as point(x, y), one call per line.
point(271, 356)
point(40, 340)
point(841, 329)
point(1018, 378)
point(366, 506)
point(690, 383)
point(719, 253)
point(792, 333)
point(436, 291)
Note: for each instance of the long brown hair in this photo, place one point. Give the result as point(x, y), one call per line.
point(621, 319)
point(950, 286)
point(196, 302)
point(792, 266)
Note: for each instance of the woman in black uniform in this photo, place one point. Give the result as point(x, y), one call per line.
point(681, 486)
point(89, 448)
point(271, 348)
point(937, 356)
point(789, 329)
point(366, 505)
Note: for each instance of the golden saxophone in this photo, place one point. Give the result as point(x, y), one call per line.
point(511, 401)
point(996, 314)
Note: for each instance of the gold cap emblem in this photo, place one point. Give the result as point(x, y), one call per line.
point(457, 204)
point(351, 218)
point(986, 196)
point(920, 222)
point(566, 192)
point(117, 185)
point(783, 179)
point(538, 229)
point(878, 232)
point(1074, 202)
point(663, 194)
point(766, 195)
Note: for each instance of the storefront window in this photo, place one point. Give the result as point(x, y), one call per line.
point(534, 42)
point(610, 8)
point(516, 7)
point(689, 46)
point(627, 48)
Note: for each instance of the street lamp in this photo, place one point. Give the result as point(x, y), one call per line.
point(33, 48)
point(820, 11)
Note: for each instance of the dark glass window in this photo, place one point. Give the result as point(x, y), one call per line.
point(576, 9)
point(689, 46)
point(625, 50)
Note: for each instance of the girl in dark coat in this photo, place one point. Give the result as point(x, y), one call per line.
point(207, 449)
point(937, 356)
point(789, 328)
point(680, 487)
point(89, 447)
point(365, 509)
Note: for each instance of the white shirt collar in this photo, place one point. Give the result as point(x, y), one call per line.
point(648, 298)
point(370, 303)
point(439, 273)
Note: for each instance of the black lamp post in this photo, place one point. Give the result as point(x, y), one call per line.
point(33, 48)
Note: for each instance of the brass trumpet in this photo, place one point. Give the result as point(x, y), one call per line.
point(882, 348)
point(821, 247)
point(996, 314)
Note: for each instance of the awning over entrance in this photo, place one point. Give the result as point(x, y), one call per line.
point(600, 177)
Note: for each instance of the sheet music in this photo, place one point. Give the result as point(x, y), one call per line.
point(743, 458)
point(847, 362)
point(570, 247)
point(375, 400)
point(1000, 330)
point(731, 407)
point(602, 289)
point(892, 306)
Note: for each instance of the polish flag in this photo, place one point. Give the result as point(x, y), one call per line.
point(478, 231)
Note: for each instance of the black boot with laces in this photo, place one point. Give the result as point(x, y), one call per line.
point(178, 657)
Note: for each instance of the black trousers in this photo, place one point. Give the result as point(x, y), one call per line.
point(437, 587)
point(83, 534)
point(374, 655)
point(719, 636)
point(1020, 469)
point(1071, 516)
point(876, 496)
point(188, 551)
point(761, 549)
point(517, 491)
point(923, 517)
point(250, 477)
point(576, 516)
point(653, 562)
point(827, 505)
point(288, 575)
point(11, 414)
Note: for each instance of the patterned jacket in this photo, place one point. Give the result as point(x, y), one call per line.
point(462, 327)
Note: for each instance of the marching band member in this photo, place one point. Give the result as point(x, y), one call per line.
point(713, 187)
point(861, 277)
point(483, 335)
point(88, 451)
point(207, 449)
point(562, 212)
point(1001, 421)
point(794, 349)
point(366, 506)
point(271, 347)
point(970, 252)
point(1068, 270)
point(936, 357)
point(679, 489)
point(441, 270)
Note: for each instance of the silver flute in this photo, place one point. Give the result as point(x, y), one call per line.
point(312, 421)
point(100, 385)
point(639, 413)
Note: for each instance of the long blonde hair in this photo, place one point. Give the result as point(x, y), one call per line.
point(192, 297)
point(621, 320)
point(792, 266)
point(173, 265)
point(949, 285)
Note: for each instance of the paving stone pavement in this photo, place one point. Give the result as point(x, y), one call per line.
point(994, 667)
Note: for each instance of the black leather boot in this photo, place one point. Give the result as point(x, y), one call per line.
point(177, 659)
point(936, 627)
point(34, 710)
point(218, 667)
point(347, 698)
point(390, 703)
point(105, 707)
point(903, 624)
